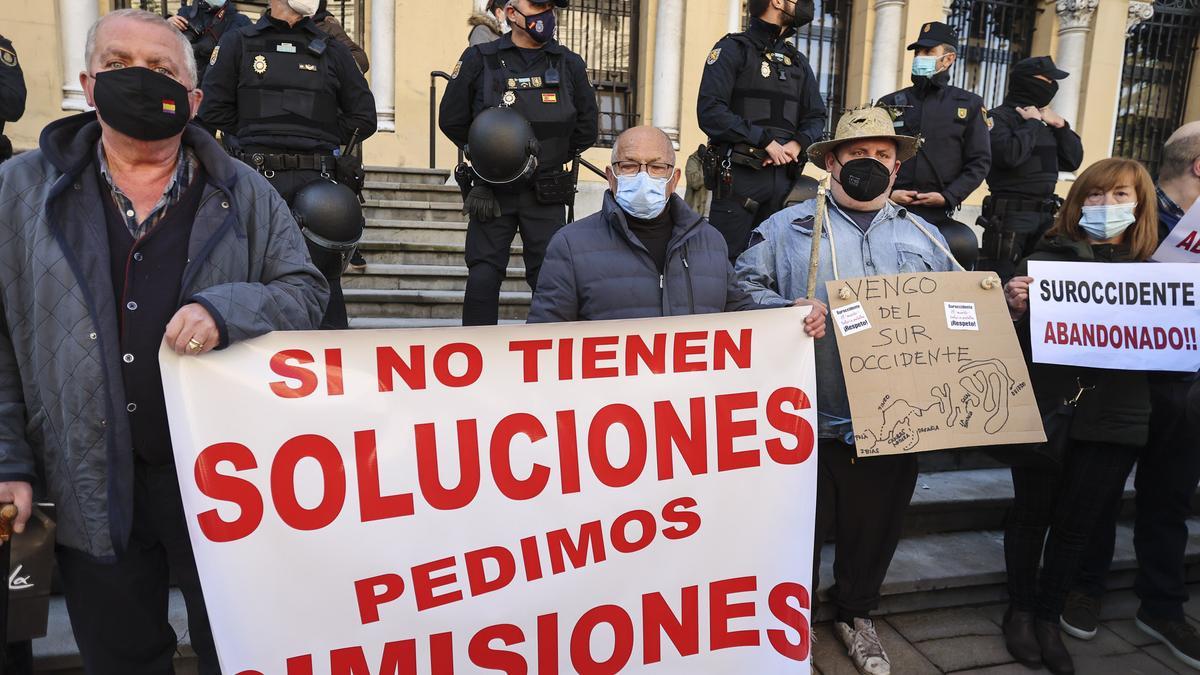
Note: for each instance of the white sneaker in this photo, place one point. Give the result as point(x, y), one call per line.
point(863, 647)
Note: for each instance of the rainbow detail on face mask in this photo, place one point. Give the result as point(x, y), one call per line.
point(168, 106)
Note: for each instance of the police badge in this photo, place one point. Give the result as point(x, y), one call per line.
point(714, 55)
point(260, 64)
point(212, 60)
point(765, 69)
point(456, 71)
point(509, 99)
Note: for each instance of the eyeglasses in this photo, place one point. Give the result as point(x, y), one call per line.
point(655, 169)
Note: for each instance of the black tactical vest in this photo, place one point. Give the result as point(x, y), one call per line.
point(543, 94)
point(768, 90)
point(286, 85)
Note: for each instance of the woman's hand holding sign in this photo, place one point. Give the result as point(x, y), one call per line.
point(1016, 294)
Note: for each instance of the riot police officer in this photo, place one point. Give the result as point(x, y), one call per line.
point(204, 22)
point(529, 71)
point(761, 108)
point(1031, 144)
point(12, 93)
point(956, 154)
point(292, 104)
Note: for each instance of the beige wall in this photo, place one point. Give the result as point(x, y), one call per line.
point(426, 41)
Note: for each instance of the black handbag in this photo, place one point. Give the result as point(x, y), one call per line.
point(1057, 424)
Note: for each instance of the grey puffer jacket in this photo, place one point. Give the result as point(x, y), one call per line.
point(63, 425)
point(596, 269)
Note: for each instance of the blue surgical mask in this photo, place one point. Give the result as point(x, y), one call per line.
point(215, 4)
point(925, 66)
point(1105, 221)
point(642, 196)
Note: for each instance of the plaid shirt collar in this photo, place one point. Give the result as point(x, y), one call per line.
point(185, 170)
point(1165, 203)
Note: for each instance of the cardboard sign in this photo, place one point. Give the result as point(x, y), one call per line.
point(1129, 316)
point(1182, 245)
point(592, 497)
point(936, 366)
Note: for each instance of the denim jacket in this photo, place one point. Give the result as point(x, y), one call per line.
point(774, 271)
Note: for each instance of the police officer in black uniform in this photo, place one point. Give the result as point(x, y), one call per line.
point(292, 104)
point(956, 154)
point(1031, 144)
point(12, 93)
point(530, 72)
point(761, 108)
point(204, 22)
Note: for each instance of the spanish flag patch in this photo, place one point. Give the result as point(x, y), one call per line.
point(549, 98)
point(168, 106)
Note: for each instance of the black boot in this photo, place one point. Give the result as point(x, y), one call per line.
point(1020, 639)
point(1054, 652)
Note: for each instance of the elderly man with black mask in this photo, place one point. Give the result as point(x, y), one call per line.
point(1031, 144)
point(646, 253)
point(128, 229)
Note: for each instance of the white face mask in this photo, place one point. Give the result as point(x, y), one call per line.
point(304, 7)
point(215, 4)
point(1105, 221)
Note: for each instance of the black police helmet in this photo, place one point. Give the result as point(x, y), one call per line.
point(501, 146)
point(332, 222)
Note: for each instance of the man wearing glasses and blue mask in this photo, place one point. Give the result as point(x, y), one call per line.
point(646, 253)
point(957, 152)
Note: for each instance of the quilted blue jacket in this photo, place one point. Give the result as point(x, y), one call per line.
point(63, 426)
point(596, 268)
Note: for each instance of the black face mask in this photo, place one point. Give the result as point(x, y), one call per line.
point(1032, 91)
point(938, 80)
point(539, 26)
point(805, 12)
point(142, 104)
point(864, 179)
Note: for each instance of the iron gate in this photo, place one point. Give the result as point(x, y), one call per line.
point(992, 35)
point(1159, 54)
point(826, 43)
point(605, 34)
point(348, 12)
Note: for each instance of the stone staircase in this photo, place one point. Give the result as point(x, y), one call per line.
point(952, 551)
point(414, 242)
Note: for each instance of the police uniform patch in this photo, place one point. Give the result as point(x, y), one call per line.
point(509, 99)
point(765, 70)
point(714, 55)
point(309, 67)
point(212, 60)
point(457, 69)
point(926, 28)
point(987, 119)
point(260, 64)
point(962, 113)
point(549, 98)
point(8, 57)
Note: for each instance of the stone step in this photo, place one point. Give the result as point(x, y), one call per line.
point(379, 275)
point(937, 571)
point(384, 190)
point(399, 175)
point(418, 304)
point(376, 209)
point(409, 252)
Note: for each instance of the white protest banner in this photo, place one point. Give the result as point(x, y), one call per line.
point(1128, 316)
point(594, 497)
point(1182, 245)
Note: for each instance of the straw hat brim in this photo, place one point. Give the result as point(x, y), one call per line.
point(906, 147)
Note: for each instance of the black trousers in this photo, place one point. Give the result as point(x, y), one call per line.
point(287, 184)
point(861, 502)
point(489, 245)
point(768, 187)
point(119, 611)
point(1167, 476)
point(1067, 502)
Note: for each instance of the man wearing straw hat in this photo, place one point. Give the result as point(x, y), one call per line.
point(861, 233)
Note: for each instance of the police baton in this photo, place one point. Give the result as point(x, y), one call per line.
point(8, 514)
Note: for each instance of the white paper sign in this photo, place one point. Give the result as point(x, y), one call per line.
point(1127, 316)
point(1182, 245)
point(593, 497)
point(961, 316)
point(851, 319)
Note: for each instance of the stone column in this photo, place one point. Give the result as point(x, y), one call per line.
point(885, 53)
point(668, 67)
point(75, 17)
point(1138, 12)
point(1074, 24)
point(947, 8)
point(383, 61)
point(735, 16)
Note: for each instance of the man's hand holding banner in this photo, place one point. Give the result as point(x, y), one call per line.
point(592, 497)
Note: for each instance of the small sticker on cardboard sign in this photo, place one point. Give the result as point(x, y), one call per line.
point(851, 319)
point(961, 316)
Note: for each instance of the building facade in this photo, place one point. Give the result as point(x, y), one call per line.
point(1135, 71)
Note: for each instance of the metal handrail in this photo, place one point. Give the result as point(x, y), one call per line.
point(433, 78)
